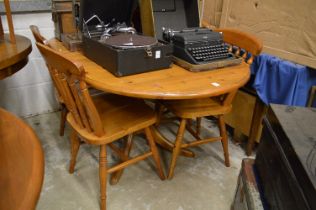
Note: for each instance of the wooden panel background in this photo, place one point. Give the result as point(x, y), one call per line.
point(287, 27)
point(213, 11)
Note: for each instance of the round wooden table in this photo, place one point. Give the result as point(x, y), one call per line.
point(167, 84)
point(172, 83)
point(13, 57)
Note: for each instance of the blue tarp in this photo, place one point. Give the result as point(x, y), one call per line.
point(282, 82)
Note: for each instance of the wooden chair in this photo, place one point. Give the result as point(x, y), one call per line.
point(21, 164)
point(39, 38)
point(247, 46)
point(215, 106)
point(100, 120)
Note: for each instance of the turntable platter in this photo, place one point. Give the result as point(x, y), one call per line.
point(128, 41)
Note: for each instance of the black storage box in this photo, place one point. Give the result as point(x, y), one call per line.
point(286, 158)
point(175, 14)
point(118, 61)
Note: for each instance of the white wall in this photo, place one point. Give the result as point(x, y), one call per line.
point(30, 91)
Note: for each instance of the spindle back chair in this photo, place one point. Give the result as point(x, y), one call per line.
point(244, 45)
point(100, 120)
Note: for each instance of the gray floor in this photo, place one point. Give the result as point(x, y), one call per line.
point(201, 183)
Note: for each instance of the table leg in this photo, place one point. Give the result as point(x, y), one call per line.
point(166, 144)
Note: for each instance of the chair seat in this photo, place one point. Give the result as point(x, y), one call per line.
point(197, 107)
point(120, 116)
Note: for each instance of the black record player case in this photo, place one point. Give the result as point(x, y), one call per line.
point(121, 62)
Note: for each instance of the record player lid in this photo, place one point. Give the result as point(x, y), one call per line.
point(128, 41)
point(120, 10)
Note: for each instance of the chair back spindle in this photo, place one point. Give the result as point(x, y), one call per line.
point(242, 44)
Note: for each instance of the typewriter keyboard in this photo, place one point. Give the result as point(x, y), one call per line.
point(208, 53)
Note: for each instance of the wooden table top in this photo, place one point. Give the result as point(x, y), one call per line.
point(171, 83)
point(13, 57)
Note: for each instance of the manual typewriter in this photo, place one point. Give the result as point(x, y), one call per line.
point(197, 45)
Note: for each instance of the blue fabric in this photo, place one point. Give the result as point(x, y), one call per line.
point(282, 82)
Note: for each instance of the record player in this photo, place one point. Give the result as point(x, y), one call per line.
point(110, 40)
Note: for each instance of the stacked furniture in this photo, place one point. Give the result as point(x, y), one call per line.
point(14, 49)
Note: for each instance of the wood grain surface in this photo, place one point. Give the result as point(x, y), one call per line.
point(172, 83)
point(21, 164)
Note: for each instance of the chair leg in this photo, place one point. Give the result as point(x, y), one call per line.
point(103, 176)
point(223, 133)
point(159, 110)
point(75, 144)
point(177, 148)
point(189, 123)
point(198, 126)
point(116, 176)
point(63, 115)
point(155, 152)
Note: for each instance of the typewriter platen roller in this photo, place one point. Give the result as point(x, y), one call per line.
point(197, 45)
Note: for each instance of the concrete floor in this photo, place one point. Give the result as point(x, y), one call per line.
point(201, 183)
